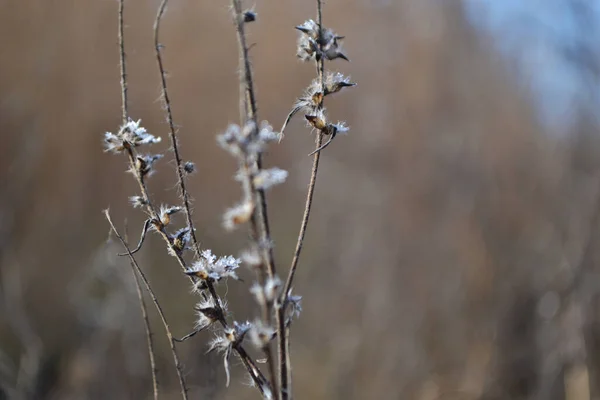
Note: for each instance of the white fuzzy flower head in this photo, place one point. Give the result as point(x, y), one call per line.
point(130, 134)
point(252, 258)
point(261, 334)
point(268, 178)
point(231, 139)
point(340, 127)
point(268, 292)
point(266, 134)
point(209, 267)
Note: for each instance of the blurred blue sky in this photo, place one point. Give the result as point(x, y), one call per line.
point(553, 44)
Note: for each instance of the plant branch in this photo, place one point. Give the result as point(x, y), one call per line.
point(149, 338)
point(140, 273)
point(283, 329)
point(125, 117)
point(261, 235)
point(172, 133)
point(255, 373)
point(124, 103)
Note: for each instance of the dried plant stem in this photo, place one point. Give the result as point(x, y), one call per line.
point(154, 220)
point(124, 103)
point(305, 216)
point(249, 101)
point(261, 234)
point(125, 117)
point(285, 373)
point(172, 134)
point(149, 338)
point(140, 273)
point(255, 373)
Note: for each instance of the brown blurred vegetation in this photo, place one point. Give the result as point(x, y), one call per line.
point(453, 248)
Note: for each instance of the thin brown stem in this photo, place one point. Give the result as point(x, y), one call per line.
point(249, 101)
point(283, 330)
point(149, 335)
point(305, 217)
point(172, 133)
point(255, 373)
point(125, 117)
point(124, 103)
point(161, 314)
point(260, 221)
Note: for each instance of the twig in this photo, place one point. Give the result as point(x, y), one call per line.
point(140, 273)
point(124, 109)
point(149, 338)
point(283, 334)
point(261, 236)
point(287, 120)
point(250, 115)
point(318, 149)
point(255, 373)
point(142, 237)
point(124, 105)
point(172, 133)
point(155, 220)
point(189, 335)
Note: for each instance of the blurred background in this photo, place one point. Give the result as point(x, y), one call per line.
point(454, 243)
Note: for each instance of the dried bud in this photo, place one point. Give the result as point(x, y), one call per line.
point(261, 334)
point(238, 215)
point(249, 16)
point(144, 164)
point(166, 212)
point(208, 313)
point(181, 239)
point(189, 167)
point(317, 121)
point(334, 82)
point(137, 201)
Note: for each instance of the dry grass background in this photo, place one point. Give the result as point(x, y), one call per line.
point(452, 249)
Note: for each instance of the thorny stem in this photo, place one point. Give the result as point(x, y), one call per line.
point(172, 133)
point(124, 105)
point(143, 309)
point(161, 314)
point(283, 330)
point(262, 235)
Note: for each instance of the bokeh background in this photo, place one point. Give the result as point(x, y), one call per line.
point(454, 243)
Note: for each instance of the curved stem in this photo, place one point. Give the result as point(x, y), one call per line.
point(161, 314)
point(172, 133)
point(285, 373)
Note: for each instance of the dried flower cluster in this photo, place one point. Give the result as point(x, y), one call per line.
point(247, 145)
point(246, 142)
point(319, 45)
